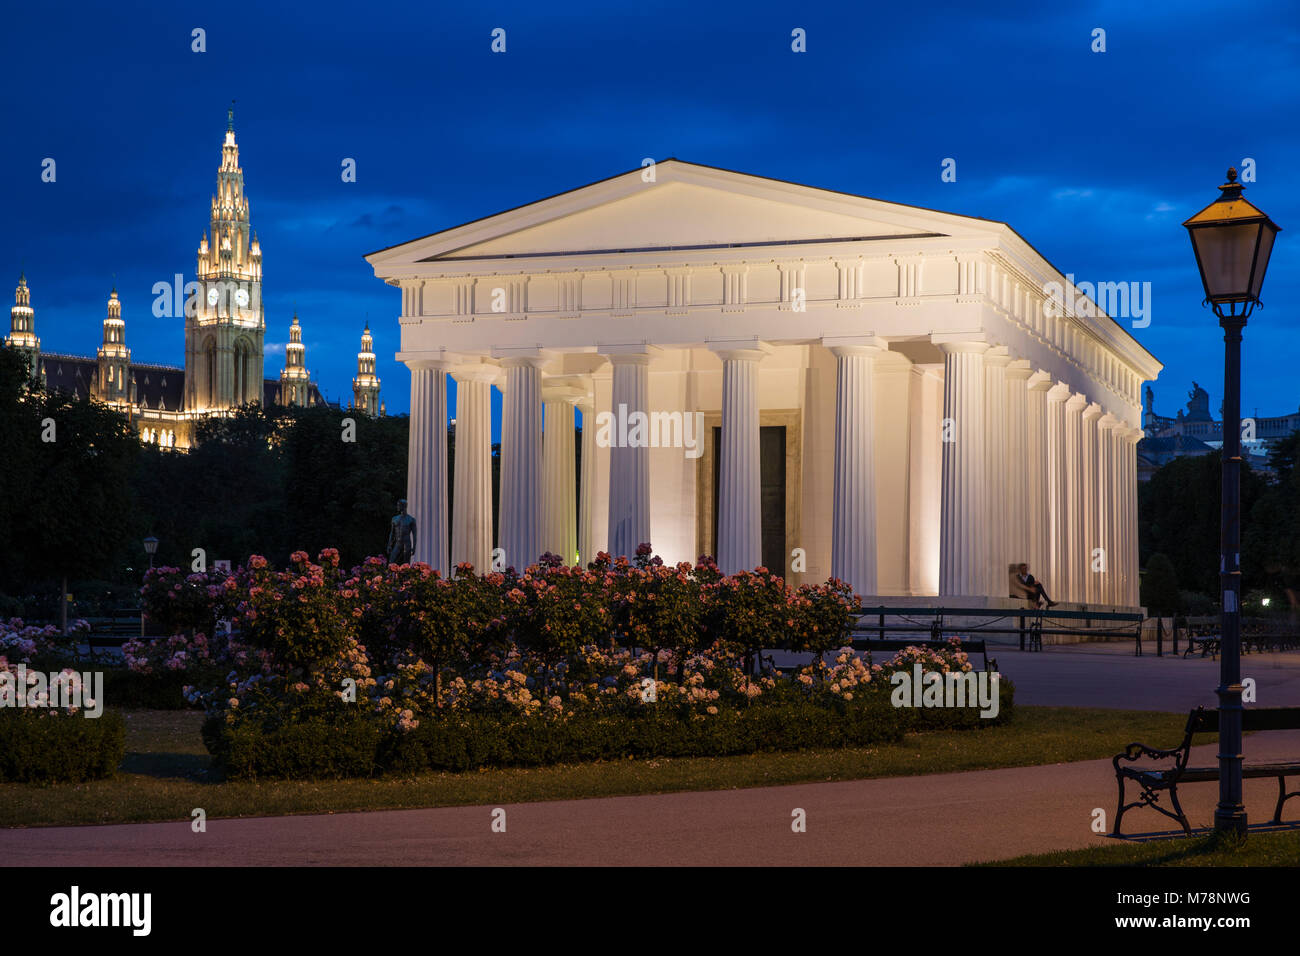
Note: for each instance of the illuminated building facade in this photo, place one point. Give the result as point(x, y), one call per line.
point(225, 337)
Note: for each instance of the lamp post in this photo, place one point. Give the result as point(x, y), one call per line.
point(1232, 240)
point(150, 548)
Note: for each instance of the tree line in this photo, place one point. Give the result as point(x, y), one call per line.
point(79, 492)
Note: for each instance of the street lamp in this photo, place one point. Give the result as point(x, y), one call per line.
point(1232, 241)
point(150, 548)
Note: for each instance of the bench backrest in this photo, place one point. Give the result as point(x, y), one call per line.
point(901, 644)
point(1202, 721)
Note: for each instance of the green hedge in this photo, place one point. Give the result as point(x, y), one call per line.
point(356, 747)
point(37, 748)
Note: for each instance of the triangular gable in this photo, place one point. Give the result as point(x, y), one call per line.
point(686, 206)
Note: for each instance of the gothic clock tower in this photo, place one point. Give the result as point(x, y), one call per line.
point(225, 325)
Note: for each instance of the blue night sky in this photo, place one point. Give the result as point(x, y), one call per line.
point(1096, 159)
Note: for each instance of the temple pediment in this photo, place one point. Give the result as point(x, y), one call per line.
point(686, 207)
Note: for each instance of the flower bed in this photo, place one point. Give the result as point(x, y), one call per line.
point(22, 643)
point(396, 669)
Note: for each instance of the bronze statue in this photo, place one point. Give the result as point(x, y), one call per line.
point(401, 536)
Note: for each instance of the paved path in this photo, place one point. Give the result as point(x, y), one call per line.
point(1108, 675)
point(944, 819)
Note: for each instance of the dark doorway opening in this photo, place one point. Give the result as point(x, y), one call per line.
point(771, 463)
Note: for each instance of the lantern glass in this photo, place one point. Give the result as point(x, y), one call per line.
point(1227, 257)
point(150, 545)
point(1268, 232)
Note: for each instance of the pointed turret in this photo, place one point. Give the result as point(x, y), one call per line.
point(22, 327)
point(365, 387)
point(295, 382)
point(113, 379)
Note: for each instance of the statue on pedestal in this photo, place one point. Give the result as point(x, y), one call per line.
point(401, 536)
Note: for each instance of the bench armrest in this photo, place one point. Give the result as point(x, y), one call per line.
point(1134, 751)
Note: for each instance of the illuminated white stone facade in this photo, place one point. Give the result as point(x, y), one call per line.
point(896, 402)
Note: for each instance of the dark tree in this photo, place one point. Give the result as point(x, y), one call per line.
point(1160, 587)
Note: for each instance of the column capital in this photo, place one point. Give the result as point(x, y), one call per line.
point(1076, 402)
point(954, 343)
point(852, 344)
point(626, 353)
point(437, 358)
point(1019, 370)
point(1058, 392)
point(628, 358)
point(482, 370)
point(1040, 381)
point(562, 391)
point(521, 359)
point(743, 350)
point(1109, 421)
point(998, 356)
point(1092, 412)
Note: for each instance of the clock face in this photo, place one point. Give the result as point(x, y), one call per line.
point(241, 297)
point(213, 295)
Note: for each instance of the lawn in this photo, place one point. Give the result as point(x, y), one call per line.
point(166, 771)
point(1258, 849)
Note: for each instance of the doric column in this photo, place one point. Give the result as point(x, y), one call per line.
point(587, 485)
point(1135, 595)
point(629, 455)
point(1058, 580)
point(1074, 557)
point(999, 556)
point(1106, 426)
point(1122, 532)
point(962, 545)
point(1092, 568)
point(853, 530)
point(521, 461)
point(471, 519)
point(559, 490)
point(1020, 517)
point(740, 525)
point(1128, 498)
point(1039, 513)
point(426, 467)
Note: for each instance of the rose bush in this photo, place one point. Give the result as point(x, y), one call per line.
point(387, 652)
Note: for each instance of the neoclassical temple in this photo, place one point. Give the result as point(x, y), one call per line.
point(774, 374)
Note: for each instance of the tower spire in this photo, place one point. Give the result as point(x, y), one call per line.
point(113, 381)
point(365, 387)
point(22, 327)
point(225, 329)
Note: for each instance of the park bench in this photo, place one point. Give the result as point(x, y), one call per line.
point(1028, 623)
point(1257, 635)
point(122, 625)
point(1156, 780)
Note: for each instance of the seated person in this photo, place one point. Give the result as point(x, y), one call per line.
point(1029, 588)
